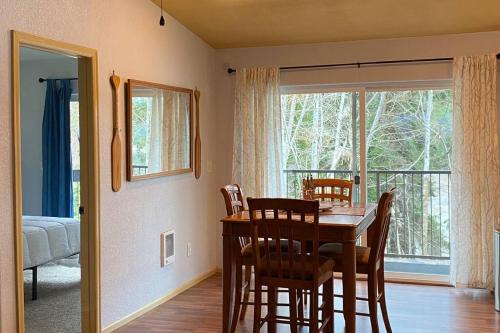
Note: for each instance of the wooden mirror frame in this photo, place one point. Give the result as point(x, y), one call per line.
point(128, 95)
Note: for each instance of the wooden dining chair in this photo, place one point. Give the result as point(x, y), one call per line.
point(331, 189)
point(285, 221)
point(370, 260)
point(233, 199)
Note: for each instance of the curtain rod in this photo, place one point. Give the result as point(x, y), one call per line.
point(359, 64)
point(43, 80)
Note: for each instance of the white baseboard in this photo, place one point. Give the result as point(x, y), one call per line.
point(127, 319)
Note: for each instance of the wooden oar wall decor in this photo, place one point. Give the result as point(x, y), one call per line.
point(116, 143)
point(197, 140)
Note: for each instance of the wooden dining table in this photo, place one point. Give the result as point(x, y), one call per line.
point(339, 225)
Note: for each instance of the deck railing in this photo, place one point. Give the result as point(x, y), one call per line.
point(138, 170)
point(420, 224)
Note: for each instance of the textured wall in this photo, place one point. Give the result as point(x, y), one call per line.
point(129, 40)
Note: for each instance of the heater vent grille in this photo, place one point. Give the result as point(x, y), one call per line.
point(167, 248)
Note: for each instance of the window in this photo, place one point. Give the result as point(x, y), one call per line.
point(143, 107)
point(407, 138)
point(408, 142)
point(319, 136)
point(75, 152)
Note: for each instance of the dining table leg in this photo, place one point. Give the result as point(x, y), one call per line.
point(228, 277)
point(349, 285)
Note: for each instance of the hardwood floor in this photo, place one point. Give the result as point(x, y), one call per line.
point(412, 309)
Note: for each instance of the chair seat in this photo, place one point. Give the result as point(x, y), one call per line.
point(247, 251)
point(299, 271)
point(335, 251)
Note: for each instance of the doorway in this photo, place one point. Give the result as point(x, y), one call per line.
point(56, 191)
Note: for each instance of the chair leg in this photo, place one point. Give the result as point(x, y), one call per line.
point(257, 306)
point(237, 297)
point(292, 298)
point(272, 299)
point(383, 305)
point(328, 310)
point(372, 300)
point(246, 291)
point(300, 296)
point(34, 286)
point(313, 312)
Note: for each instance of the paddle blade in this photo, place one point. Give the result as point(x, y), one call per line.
point(116, 182)
point(197, 159)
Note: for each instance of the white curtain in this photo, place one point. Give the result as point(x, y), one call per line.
point(475, 171)
point(169, 132)
point(175, 130)
point(257, 164)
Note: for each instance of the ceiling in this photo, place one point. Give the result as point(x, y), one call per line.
point(245, 23)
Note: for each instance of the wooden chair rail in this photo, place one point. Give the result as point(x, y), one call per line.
point(332, 189)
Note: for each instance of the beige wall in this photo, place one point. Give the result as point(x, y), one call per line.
point(342, 52)
point(129, 40)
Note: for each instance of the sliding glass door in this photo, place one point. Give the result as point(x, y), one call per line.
point(320, 137)
point(408, 143)
point(381, 138)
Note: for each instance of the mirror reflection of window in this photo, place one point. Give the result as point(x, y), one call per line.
point(142, 107)
point(160, 130)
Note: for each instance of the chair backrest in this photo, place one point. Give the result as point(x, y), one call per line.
point(332, 189)
point(379, 230)
point(233, 198)
point(280, 222)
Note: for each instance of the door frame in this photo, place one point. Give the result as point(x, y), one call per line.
point(89, 160)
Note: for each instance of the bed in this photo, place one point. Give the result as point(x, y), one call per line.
point(46, 239)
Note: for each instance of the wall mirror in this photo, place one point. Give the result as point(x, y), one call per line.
point(159, 119)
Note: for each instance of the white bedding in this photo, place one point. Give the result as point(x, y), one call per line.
point(49, 238)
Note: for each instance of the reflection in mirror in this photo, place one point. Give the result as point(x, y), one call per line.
point(159, 130)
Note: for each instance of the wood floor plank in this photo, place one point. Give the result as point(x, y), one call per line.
point(412, 309)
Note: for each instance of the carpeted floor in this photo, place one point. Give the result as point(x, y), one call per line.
point(57, 309)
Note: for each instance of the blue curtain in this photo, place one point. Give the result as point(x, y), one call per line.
point(57, 197)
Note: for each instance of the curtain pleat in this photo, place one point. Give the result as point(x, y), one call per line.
point(257, 161)
point(170, 132)
point(475, 171)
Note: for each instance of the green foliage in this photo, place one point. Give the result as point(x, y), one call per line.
point(395, 130)
point(142, 107)
point(406, 131)
point(398, 138)
point(74, 124)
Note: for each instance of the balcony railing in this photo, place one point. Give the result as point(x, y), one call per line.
point(138, 170)
point(420, 224)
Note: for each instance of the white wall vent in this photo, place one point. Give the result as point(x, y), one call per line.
point(167, 248)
